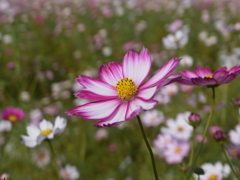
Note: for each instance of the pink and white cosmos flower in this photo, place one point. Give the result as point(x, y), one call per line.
point(205, 77)
point(121, 92)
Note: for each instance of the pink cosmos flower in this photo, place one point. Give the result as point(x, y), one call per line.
point(12, 114)
point(121, 92)
point(205, 77)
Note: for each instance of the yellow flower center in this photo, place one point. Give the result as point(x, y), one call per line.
point(213, 177)
point(46, 132)
point(126, 89)
point(12, 118)
point(208, 76)
point(178, 149)
point(180, 128)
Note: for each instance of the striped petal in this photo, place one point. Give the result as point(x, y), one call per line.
point(137, 66)
point(117, 118)
point(111, 73)
point(147, 93)
point(220, 76)
point(99, 110)
point(86, 94)
point(97, 86)
point(162, 73)
point(229, 79)
point(137, 105)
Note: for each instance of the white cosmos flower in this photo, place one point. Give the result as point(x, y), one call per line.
point(69, 172)
point(45, 130)
point(179, 128)
point(235, 135)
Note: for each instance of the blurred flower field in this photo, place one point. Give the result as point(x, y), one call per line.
point(46, 44)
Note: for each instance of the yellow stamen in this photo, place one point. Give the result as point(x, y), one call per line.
point(208, 76)
point(126, 89)
point(213, 177)
point(12, 118)
point(180, 128)
point(178, 149)
point(46, 132)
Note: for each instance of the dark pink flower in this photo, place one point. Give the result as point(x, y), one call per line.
point(12, 114)
point(205, 77)
point(122, 92)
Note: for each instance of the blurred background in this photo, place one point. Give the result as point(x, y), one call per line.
point(46, 44)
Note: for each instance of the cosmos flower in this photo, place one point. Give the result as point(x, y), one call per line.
point(41, 157)
point(122, 92)
point(45, 130)
point(216, 171)
point(205, 77)
point(12, 114)
point(179, 128)
point(152, 118)
point(234, 135)
point(69, 173)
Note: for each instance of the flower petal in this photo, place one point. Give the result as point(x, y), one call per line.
point(137, 105)
point(162, 73)
point(147, 93)
point(29, 141)
point(202, 72)
point(188, 74)
point(59, 125)
point(33, 130)
point(220, 76)
point(97, 86)
point(116, 118)
point(235, 70)
point(204, 81)
point(111, 73)
point(86, 94)
point(229, 78)
point(99, 110)
point(45, 125)
point(137, 66)
point(169, 80)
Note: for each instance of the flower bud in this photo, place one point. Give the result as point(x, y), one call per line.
point(236, 102)
point(199, 171)
point(219, 136)
point(194, 119)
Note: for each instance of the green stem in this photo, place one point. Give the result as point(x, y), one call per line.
point(230, 164)
point(204, 135)
point(192, 148)
point(148, 146)
point(54, 159)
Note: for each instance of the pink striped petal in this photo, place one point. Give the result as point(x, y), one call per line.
point(169, 80)
point(97, 86)
point(202, 72)
point(147, 93)
point(99, 110)
point(204, 82)
point(86, 94)
point(116, 118)
point(137, 66)
point(188, 74)
point(137, 105)
point(220, 75)
point(162, 73)
point(111, 73)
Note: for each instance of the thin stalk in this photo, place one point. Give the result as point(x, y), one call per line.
point(192, 149)
point(148, 146)
point(230, 164)
point(204, 135)
point(54, 159)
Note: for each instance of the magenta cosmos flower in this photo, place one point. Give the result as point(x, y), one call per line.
point(12, 114)
point(121, 93)
point(205, 77)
